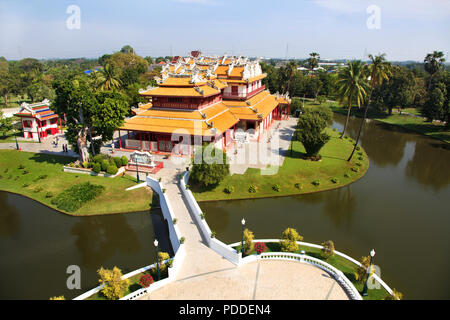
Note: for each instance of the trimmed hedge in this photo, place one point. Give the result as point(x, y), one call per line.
point(112, 170)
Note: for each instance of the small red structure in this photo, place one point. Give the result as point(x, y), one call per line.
point(38, 120)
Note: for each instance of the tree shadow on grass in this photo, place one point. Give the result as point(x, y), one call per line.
point(198, 188)
point(51, 158)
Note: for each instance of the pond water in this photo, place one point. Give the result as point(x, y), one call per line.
point(400, 208)
point(37, 244)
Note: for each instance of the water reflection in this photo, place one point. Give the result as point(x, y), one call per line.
point(9, 218)
point(41, 243)
point(340, 205)
point(430, 165)
point(98, 239)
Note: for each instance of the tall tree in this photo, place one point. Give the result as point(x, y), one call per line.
point(379, 70)
point(352, 86)
point(127, 49)
point(89, 114)
point(287, 73)
point(109, 78)
point(433, 62)
point(313, 60)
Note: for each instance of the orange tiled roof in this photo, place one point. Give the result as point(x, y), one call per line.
point(190, 122)
point(181, 92)
point(257, 107)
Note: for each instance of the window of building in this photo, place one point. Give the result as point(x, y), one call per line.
point(175, 100)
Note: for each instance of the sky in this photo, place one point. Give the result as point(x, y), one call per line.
point(336, 29)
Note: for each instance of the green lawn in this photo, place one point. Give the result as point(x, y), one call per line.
point(433, 130)
point(295, 170)
point(13, 101)
point(346, 266)
point(114, 198)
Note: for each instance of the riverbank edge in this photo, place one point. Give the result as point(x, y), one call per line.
point(276, 195)
point(343, 112)
point(77, 215)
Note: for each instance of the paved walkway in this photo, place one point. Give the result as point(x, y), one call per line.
point(262, 280)
point(45, 146)
point(269, 151)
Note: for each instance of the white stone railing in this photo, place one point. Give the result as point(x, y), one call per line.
point(312, 245)
point(218, 246)
point(174, 236)
point(337, 274)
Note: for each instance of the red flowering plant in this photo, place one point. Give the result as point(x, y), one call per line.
point(260, 247)
point(146, 280)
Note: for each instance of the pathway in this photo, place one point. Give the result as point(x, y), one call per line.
point(45, 146)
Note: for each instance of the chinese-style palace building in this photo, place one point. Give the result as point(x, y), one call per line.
point(206, 98)
point(38, 120)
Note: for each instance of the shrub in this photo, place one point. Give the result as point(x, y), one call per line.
point(112, 169)
point(260, 247)
point(328, 249)
point(276, 187)
point(41, 177)
point(164, 190)
point(74, 197)
point(38, 189)
point(115, 286)
point(117, 161)
point(25, 172)
point(202, 216)
point(396, 295)
point(252, 188)
point(360, 158)
point(96, 167)
point(213, 234)
point(298, 185)
point(248, 240)
point(21, 166)
point(211, 168)
point(182, 240)
point(347, 175)
point(360, 273)
point(355, 169)
point(49, 194)
point(229, 189)
point(310, 132)
point(159, 179)
point(85, 164)
point(25, 185)
point(58, 298)
point(124, 160)
point(289, 240)
point(105, 164)
point(335, 180)
point(174, 221)
point(358, 164)
point(161, 257)
point(146, 280)
point(316, 182)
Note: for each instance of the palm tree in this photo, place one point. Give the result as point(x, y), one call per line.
point(288, 73)
point(313, 60)
point(109, 82)
point(379, 70)
point(352, 86)
point(432, 64)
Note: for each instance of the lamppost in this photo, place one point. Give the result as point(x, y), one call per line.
point(15, 136)
point(365, 289)
point(157, 262)
point(137, 171)
point(242, 239)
